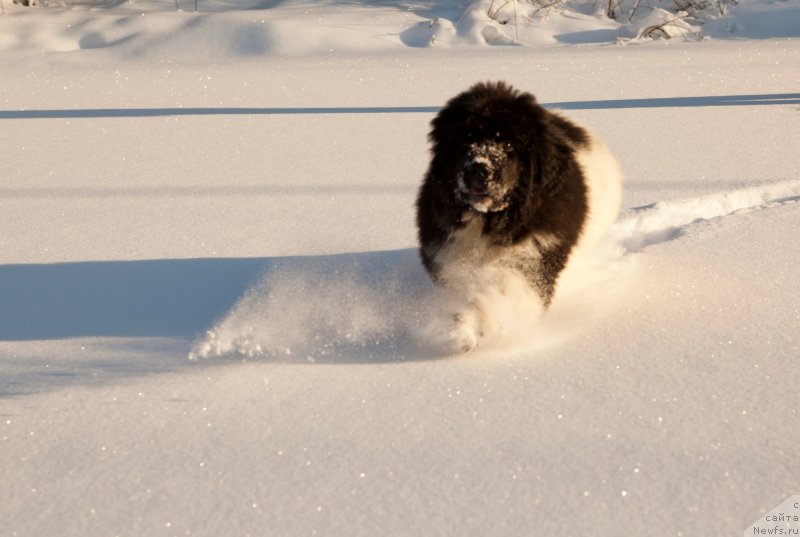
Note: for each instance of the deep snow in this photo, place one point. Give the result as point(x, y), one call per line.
point(172, 191)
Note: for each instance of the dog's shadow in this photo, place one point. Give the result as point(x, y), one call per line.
point(169, 298)
point(363, 307)
point(123, 319)
point(347, 297)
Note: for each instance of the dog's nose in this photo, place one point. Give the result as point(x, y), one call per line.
point(476, 176)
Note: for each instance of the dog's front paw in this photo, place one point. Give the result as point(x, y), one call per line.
point(463, 335)
point(463, 338)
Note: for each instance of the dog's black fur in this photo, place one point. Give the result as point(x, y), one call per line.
point(546, 194)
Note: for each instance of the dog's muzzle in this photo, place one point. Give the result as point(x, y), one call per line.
point(478, 184)
point(476, 176)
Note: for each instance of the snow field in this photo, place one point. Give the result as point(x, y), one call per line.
point(150, 194)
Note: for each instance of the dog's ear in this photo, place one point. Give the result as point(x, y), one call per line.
point(532, 178)
point(533, 135)
point(554, 162)
point(549, 140)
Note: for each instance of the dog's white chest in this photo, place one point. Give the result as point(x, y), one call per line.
point(468, 247)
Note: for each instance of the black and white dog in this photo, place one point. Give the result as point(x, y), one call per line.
point(512, 193)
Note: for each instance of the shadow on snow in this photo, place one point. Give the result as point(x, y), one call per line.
point(610, 104)
point(155, 309)
point(173, 298)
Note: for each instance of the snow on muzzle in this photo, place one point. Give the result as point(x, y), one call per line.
point(484, 178)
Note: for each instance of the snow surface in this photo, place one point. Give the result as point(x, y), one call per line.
point(213, 320)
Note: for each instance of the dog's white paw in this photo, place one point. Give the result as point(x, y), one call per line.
point(465, 331)
point(464, 336)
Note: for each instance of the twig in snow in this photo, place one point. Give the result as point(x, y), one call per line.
point(492, 14)
point(612, 7)
point(633, 9)
point(657, 30)
point(549, 7)
point(516, 26)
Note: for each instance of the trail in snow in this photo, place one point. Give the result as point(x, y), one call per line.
point(381, 306)
point(666, 220)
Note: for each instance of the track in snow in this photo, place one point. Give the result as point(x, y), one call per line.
point(666, 220)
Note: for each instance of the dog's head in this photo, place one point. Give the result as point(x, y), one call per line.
point(482, 142)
